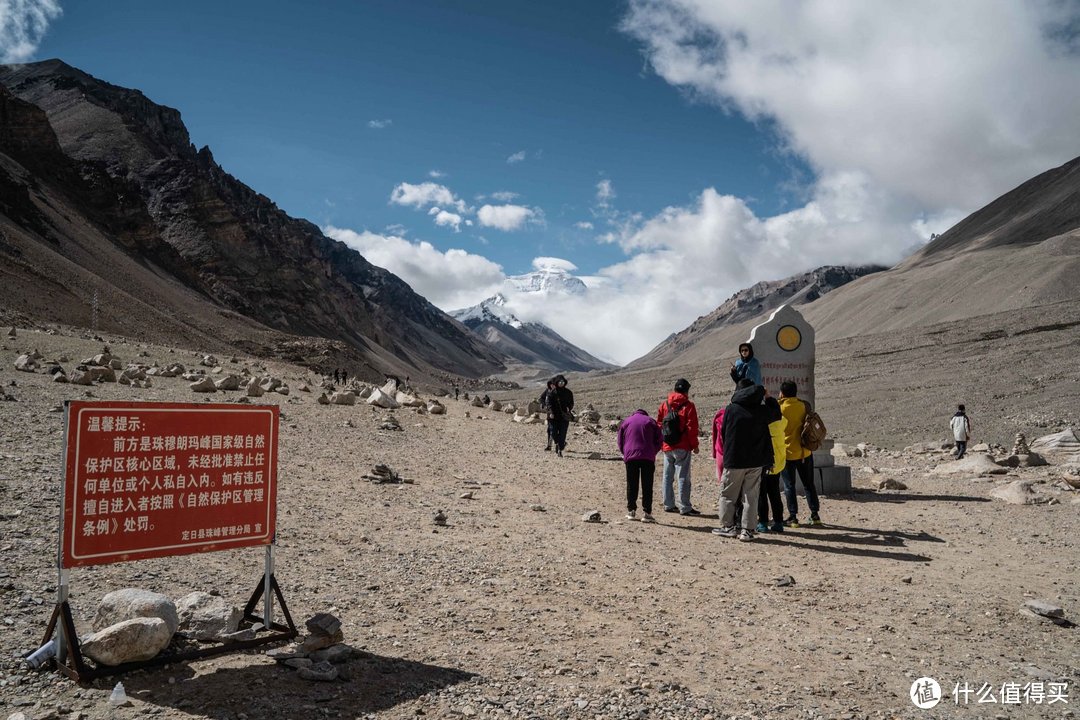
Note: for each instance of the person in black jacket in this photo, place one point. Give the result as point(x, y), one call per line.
point(747, 449)
point(560, 406)
point(545, 407)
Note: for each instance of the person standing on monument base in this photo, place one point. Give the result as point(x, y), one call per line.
point(747, 449)
point(961, 429)
point(639, 442)
point(747, 366)
point(800, 461)
point(678, 421)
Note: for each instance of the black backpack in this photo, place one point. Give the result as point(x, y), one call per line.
point(671, 427)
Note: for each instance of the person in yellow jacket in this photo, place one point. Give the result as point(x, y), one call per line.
point(770, 479)
point(800, 461)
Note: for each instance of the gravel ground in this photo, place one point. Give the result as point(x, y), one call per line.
point(515, 612)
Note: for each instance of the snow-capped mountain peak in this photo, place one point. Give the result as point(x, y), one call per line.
point(548, 279)
point(491, 310)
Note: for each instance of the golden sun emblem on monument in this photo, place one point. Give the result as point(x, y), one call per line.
point(788, 338)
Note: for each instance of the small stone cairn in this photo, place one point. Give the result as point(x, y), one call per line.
point(321, 656)
point(1020, 445)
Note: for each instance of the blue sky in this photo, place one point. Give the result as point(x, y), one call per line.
point(670, 152)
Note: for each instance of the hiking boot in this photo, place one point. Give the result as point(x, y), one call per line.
point(648, 518)
point(547, 449)
point(691, 511)
point(728, 532)
point(792, 522)
point(761, 527)
point(746, 536)
point(631, 514)
point(667, 509)
point(777, 527)
point(815, 521)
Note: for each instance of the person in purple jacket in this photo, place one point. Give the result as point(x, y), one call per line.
point(639, 441)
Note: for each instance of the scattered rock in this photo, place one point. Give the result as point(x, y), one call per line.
point(891, 484)
point(204, 385)
point(537, 508)
point(784, 581)
point(381, 399)
point(1020, 492)
point(128, 603)
point(439, 518)
point(390, 423)
point(1044, 609)
point(383, 474)
point(343, 397)
point(132, 640)
point(591, 516)
point(319, 672)
point(972, 465)
point(207, 617)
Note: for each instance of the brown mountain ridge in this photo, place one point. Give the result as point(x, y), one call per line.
point(106, 195)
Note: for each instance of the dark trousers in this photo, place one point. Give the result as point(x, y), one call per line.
point(550, 433)
point(961, 448)
point(639, 472)
point(558, 429)
point(805, 470)
point(770, 495)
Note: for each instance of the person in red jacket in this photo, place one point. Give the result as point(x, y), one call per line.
point(680, 434)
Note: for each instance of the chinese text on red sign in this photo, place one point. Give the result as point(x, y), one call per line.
point(149, 480)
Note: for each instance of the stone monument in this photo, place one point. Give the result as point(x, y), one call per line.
point(784, 345)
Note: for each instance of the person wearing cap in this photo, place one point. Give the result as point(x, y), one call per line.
point(747, 366)
point(677, 452)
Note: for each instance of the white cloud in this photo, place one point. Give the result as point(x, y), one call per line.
point(23, 23)
point(583, 225)
point(505, 217)
point(436, 174)
point(449, 280)
point(553, 263)
point(444, 218)
point(605, 193)
point(716, 246)
point(425, 194)
point(946, 104)
point(516, 157)
point(380, 124)
point(504, 196)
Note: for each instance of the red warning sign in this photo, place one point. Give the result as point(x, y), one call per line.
point(147, 480)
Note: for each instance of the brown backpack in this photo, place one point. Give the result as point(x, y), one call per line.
point(813, 430)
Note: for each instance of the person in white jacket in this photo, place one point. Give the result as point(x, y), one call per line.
point(961, 430)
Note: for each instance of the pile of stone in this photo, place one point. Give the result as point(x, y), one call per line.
point(384, 474)
point(321, 656)
point(28, 361)
point(589, 416)
point(391, 423)
point(134, 625)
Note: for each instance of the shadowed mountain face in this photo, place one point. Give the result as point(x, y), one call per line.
point(1043, 207)
point(102, 166)
point(529, 343)
point(753, 302)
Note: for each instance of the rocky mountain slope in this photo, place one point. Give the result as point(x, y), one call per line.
point(160, 224)
point(748, 304)
point(529, 343)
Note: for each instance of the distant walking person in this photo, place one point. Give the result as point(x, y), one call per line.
point(747, 366)
point(800, 461)
point(678, 421)
point(544, 398)
point(639, 442)
point(961, 430)
point(560, 410)
point(747, 449)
